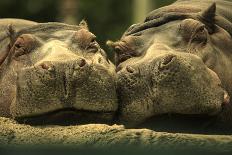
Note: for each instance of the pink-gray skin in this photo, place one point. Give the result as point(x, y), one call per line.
point(53, 73)
point(177, 62)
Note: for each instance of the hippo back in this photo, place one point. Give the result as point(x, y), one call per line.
point(183, 9)
point(17, 24)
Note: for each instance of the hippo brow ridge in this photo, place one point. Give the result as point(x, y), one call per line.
point(44, 27)
point(48, 28)
point(157, 22)
point(176, 11)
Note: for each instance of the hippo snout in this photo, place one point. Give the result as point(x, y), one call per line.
point(177, 83)
point(50, 66)
point(64, 82)
point(52, 85)
point(66, 73)
point(166, 61)
point(60, 67)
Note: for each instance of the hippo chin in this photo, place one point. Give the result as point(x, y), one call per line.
point(178, 61)
point(53, 72)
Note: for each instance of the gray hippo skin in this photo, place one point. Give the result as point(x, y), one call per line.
point(53, 72)
point(177, 62)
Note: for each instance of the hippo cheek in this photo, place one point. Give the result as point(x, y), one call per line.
point(187, 86)
point(37, 92)
point(98, 90)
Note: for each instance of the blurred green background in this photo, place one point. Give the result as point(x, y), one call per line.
point(107, 19)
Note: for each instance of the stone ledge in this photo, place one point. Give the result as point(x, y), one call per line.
point(104, 136)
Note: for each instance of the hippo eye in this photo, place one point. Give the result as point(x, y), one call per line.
point(93, 45)
point(201, 29)
point(125, 50)
point(93, 40)
point(23, 45)
point(200, 35)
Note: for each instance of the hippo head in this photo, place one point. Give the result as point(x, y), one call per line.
point(56, 72)
point(172, 64)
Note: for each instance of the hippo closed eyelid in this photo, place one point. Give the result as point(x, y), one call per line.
point(86, 40)
point(25, 44)
point(193, 31)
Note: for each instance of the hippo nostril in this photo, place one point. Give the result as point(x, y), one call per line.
point(118, 50)
point(226, 98)
point(82, 63)
point(118, 68)
point(166, 62)
point(168, 59)
point(45, 66)
point(130, 69)
point(100, 60)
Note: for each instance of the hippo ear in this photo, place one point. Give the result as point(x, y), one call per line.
point(84, 24)
point(11, 34)
point(210, 13)
point(208, 17)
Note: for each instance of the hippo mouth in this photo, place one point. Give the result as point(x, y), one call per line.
point(182, 123)
point(86, 95)
point(68, 116)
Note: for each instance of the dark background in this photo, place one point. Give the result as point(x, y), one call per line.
point(107, 19)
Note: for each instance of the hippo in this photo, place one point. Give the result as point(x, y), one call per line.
point(177, 64)
point(54, 73)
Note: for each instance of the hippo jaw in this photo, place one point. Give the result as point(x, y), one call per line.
point(68, 116)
